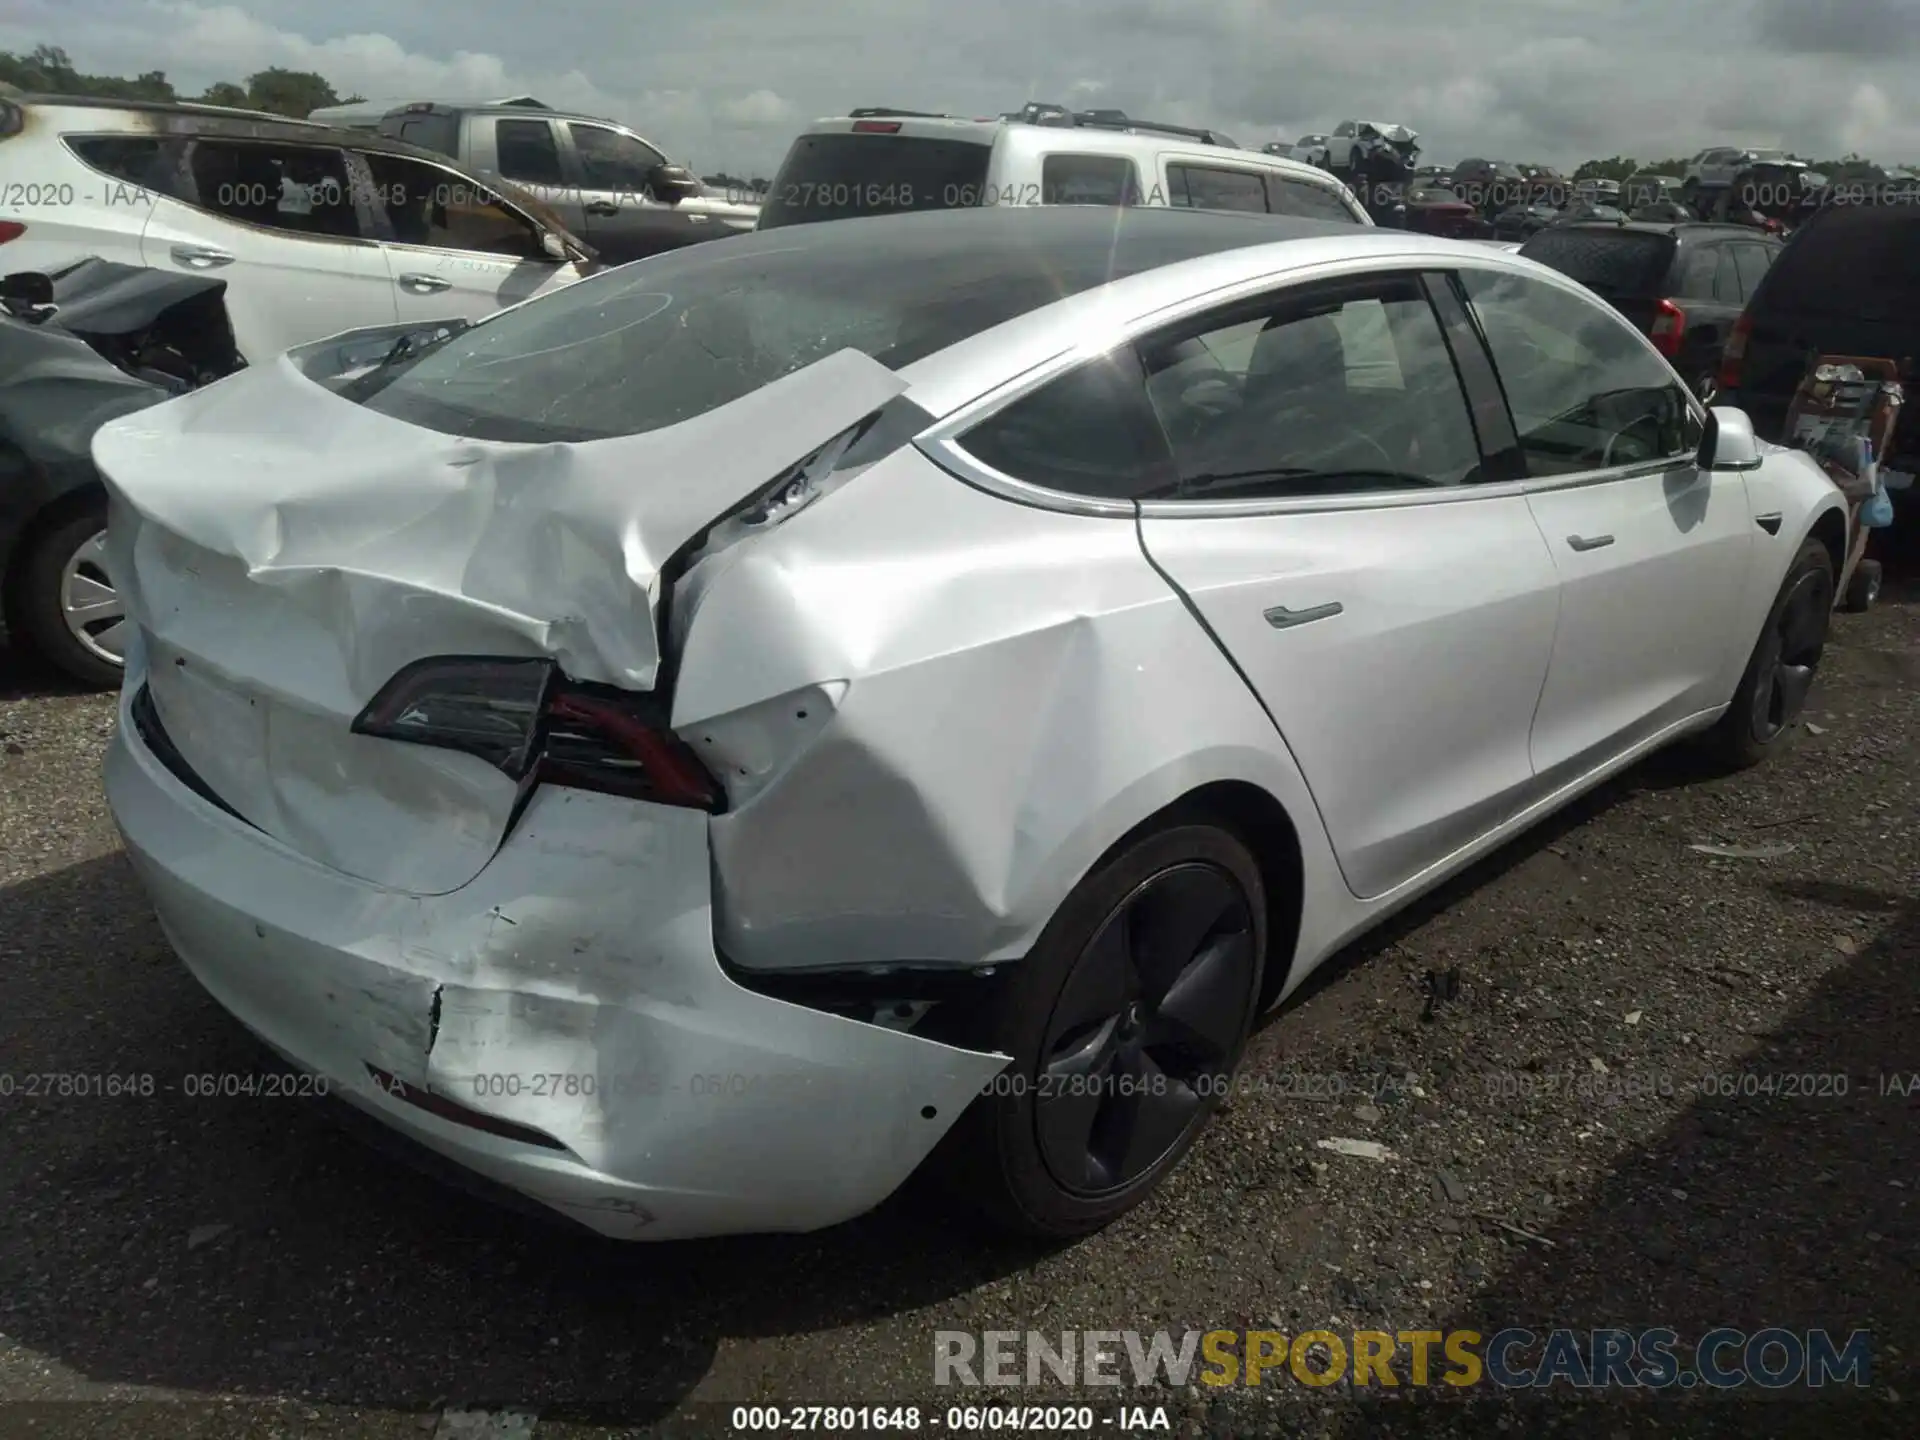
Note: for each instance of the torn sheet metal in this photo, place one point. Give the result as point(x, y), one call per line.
point(283, 573)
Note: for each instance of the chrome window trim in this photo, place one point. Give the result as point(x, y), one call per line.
point(940, 442)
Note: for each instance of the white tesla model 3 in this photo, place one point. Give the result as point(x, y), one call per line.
point(688, 746)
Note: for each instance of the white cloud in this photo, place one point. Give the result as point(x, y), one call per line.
point(723, 84)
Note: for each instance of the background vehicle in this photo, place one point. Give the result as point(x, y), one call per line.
point(314, 230)
point(78, 348)
point(1597, 192)
point(1306, 486)
point(1374, 150)
point(1684, 286)
point(1518, 222)
point(1493, 185)
point(1433, 209)
point(1648, 188)
point(1847, 283)
point(879, 161)
point(1278, 147)
point(607, 184)
point(1314, 150)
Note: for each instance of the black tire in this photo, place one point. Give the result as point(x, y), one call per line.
point(1021, 1151)
point(34, 619)
point(1863, 587)
point(1762, 720)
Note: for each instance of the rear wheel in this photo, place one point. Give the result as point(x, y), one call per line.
point(63, 606)
point(1773, 692)
point(1126, 1023)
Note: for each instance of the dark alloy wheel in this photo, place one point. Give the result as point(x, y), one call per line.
point(1125, 1023)
point(1773, 691)
point(1146, 1029)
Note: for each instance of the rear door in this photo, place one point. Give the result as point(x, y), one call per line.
point(1652, 551)
point(613, 171)
point(287, 230)
point(1336, 526)
point(450, 246)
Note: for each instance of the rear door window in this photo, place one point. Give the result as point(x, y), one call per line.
point(301, 189)
point(132, 159)
point(1694, 272)
point(1619, 264)
point(1726, 278)
point(1754, 262)
point(527, 152)
point(842, 177)
point(1287, 196)
point(1089, 180)
point(1205, 187)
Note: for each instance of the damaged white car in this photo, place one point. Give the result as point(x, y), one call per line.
point(690, 745)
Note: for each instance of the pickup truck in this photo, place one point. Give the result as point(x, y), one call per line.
point(608, 186)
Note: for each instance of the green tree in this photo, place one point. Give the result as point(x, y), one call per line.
point(225, 92)
point(289, 92)
point(1617, 167)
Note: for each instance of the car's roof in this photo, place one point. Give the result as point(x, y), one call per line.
point(1676, 228)
point(183, 108)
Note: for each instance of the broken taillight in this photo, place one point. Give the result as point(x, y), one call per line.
point(533, 724)
point(1669, 328)
point(11, 230)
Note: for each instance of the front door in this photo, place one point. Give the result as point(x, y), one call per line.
point(1652, 551)
point(453, 249)
point(1382, 588)
point(624, 221)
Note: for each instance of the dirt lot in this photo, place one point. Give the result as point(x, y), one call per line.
point(1561, 1152)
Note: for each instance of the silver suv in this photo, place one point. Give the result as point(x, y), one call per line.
point(880, 161)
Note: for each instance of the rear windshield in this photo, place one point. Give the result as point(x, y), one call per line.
point(840, 177)
point(647, 345)
point(1853, 260)
point(1616, 264)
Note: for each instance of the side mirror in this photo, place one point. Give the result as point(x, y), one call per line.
point(554, 247)
point(1729, 443)
point(29, 288)
point(670, 184)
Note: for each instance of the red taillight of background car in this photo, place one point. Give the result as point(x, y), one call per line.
point(1735, 354)
point(1669, 328)
point(531, 723)
point(11, 230)
point(876, 127)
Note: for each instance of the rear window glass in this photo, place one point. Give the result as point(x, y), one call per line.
point(841, 177)
point(1089, 180)
point(644, 346)
point(432, 132)
point(1616, 264)
point(1855, 260)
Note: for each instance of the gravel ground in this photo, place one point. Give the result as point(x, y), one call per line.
point(1559, 1151)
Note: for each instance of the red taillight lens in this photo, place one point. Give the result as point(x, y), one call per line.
point(528, 721)
point(1734, 356)
point(11, 230)
point(876, 127)
point(1669, 326)
point(596, 743)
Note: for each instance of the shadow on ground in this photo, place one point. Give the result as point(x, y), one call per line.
point(1791, 1209)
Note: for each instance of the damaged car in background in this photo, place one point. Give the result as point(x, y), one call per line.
point(702, 744)
point(77, 348)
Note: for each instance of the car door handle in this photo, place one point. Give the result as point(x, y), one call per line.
point(1589, 542)
point(1281, 618)
point(602, 207)
point(424, 284)
point(200, 257)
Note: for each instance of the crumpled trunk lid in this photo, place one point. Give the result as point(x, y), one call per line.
point(285, 551)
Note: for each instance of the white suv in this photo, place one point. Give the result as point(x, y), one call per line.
point(880, 161)
point(315, 230)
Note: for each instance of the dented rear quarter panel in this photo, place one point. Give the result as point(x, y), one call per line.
point(1012, 690)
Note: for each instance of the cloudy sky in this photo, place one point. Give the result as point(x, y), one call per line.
point(724, 84)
